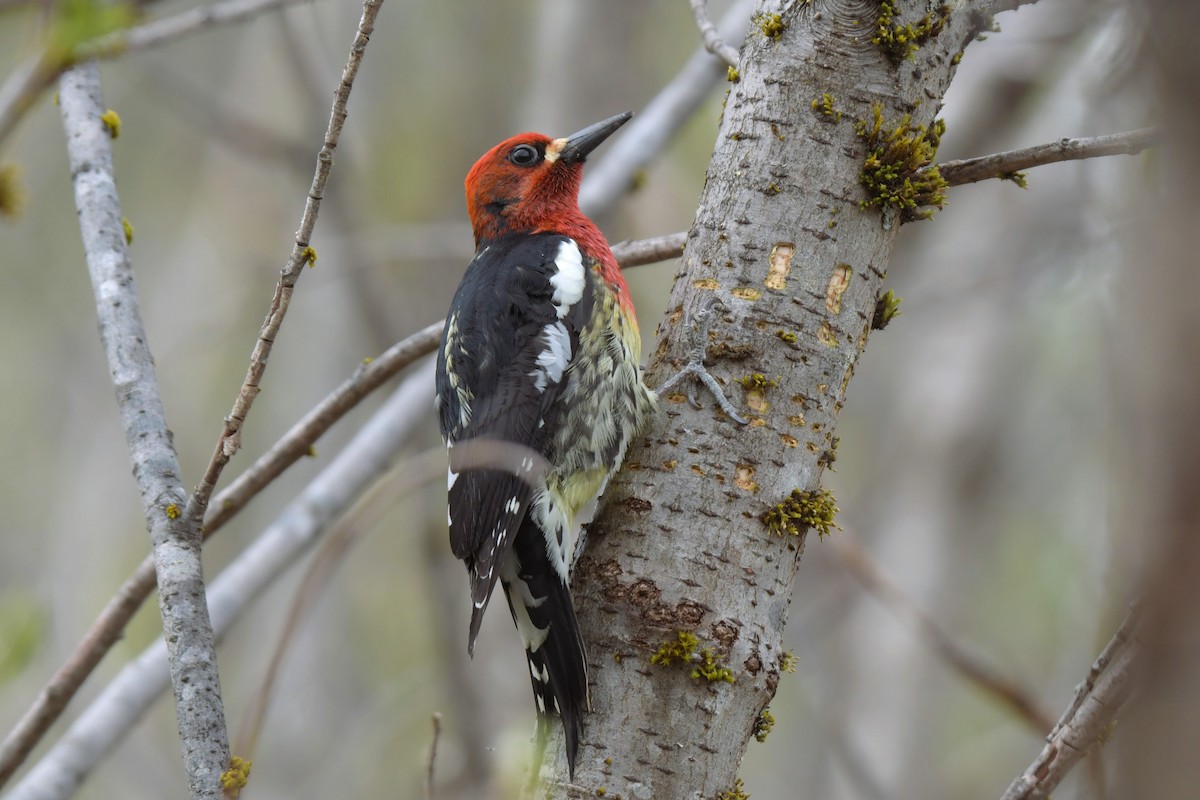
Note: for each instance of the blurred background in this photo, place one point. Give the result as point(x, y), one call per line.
point(978, 445)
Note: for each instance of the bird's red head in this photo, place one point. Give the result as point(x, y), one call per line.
point(530, 183)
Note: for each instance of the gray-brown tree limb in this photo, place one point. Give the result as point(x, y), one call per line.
point(364, 460)
point(782, 239)
point(712, 38)
point(1004, 165)
point(302, 255)
point(187, 629)
point(1089, 718)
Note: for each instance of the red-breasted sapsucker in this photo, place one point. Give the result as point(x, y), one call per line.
point(540, 351)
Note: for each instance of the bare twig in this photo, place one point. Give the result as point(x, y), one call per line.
point(296, 443)
point(1088, 718)
point(1004, 165)
point(169, 29)
point(430, 794)
point(366, 512)
point(229, 441)
point(176, 538)
point(34, 76)
point(123, 701)
point(851, 555)
point(648, 132)
point(708, 32)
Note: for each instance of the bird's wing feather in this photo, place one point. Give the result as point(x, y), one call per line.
point(512, 331)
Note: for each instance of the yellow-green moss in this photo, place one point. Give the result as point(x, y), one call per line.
point(771, 25)
point(887, 308)
point(233, 780)
point(829, 456)
point(738, 792)
point(763, 725)
point(681, 649)
point(309, 256)
point(733, 75)
point(787, 661)
point(12, 194)
point(901, 42)
point(112, 122)
point(899, 169)
point(1019, 178)
point(128, 227)
point(803, 510)
point(757, 381)
point(685, 649)
point(823, 105)
point(172, 511)
point(787, 336)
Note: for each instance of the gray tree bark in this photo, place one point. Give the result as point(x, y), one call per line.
point(798, 266)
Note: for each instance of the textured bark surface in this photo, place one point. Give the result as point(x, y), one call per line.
point(780, 239)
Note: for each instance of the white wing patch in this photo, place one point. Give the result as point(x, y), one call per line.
point(555, 356)
point(569, 281)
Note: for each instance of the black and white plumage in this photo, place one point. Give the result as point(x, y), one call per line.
point(536, 353)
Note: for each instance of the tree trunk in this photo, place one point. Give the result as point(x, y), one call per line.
point(781, 240)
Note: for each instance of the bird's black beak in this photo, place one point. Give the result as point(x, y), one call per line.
point(585, 141)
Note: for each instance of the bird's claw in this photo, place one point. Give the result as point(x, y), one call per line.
point(698, 339)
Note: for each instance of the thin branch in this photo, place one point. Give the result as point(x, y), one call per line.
point(430, 794)
point(1089, 717)
point(652, 128)
point(176, 538)
point(708, 32)
point(100, 727)
point(366, 512)
point(170, 29)
point(229, 441)
point(1003, 165)
point(295, 444)
point(850, 554)
point(33, 77)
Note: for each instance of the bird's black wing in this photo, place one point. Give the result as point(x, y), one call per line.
point(511, 333)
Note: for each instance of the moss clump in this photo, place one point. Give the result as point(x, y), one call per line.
point(12, 195)
point(803, 510)
point(233, 780)
point(763, 725)
point(901, 42)
point(823, 105)
point(682, 649)
point(112, 122)
point(309, 256)
point(738, 792)
point(128, 227)
point(685, 649)
point(172, 511)
point(899, 169)
point(733, 75)
point(757, 382)
point(828, 457)
point(1019, 178)
point(787, 661)
point(787, 336)
point(771, 25)
point(887, 308)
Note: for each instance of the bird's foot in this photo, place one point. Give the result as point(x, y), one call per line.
point(694, 371)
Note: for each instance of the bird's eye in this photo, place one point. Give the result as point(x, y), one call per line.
point(524, 155)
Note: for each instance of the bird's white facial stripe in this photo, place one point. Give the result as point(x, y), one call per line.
point(554, 149)
point(568, 281)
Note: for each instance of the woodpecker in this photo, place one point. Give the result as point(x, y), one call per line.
point(540, 352)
